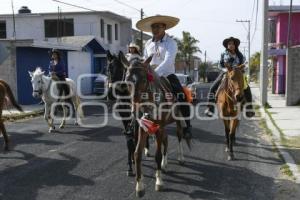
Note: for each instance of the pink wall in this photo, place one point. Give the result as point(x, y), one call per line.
point(282, 28)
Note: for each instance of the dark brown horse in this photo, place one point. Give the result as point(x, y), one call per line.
point(116, 74)
point(229, 101)
point(149, 92)
point(6, 98)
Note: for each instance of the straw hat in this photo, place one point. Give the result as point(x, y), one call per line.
point(145, 24)
point(235, 40)
point(133, 45)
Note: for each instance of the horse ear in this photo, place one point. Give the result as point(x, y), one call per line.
point(147, 61)
point(123, 59)
point(109, 56)
point(30, 74)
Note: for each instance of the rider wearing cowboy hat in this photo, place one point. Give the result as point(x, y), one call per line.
point(230, 58)
point(163, 50)
point(133, 52)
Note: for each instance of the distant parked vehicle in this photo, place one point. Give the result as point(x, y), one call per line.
point(212, 74)
point(185, 80)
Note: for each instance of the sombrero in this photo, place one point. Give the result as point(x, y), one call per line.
point(145, 24)
point(133, 45)
point(236, 41)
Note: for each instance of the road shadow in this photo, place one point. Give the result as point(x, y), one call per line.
point(25, 181)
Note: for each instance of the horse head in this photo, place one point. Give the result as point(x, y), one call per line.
point(37, 82)
point(137, 77)
point(236, 81)
point(117, 67)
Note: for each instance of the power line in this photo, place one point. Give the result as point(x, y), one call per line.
point(73, 5)
point(127, 5)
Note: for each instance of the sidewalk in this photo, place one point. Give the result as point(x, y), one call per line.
point(284, 122)
point(29, 110)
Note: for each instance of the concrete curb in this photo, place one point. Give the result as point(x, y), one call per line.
point(18, 116)
point(277, 140)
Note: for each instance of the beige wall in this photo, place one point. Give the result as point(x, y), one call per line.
point(8, 64)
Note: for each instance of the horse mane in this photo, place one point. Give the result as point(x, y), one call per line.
point(38, 71)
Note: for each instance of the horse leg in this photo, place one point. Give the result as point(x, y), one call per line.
point(164, 162)
point(147, 154)
point(233, 125)
point(140, 188)
point(5, 136)
point(48, 118)
point(75, 108)
point(130, 148)
point(179, 132)
point(227, 130)
point(158, 159)
point(63, 122)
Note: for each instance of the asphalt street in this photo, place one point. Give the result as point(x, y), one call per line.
point(90, 164)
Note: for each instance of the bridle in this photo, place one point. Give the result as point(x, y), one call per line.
point(40, 90)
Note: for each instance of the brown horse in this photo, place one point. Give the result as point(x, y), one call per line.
point(229, 101)
point(6, 97)
point(146, 96)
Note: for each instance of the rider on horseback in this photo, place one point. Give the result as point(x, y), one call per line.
point(231, 58)
point(133, 52)
point(163, 50)
point(57, 72)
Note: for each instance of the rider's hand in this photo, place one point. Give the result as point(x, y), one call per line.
point(228, 66)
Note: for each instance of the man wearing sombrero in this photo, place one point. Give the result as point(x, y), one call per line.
point(230, 58)
point(163, 50)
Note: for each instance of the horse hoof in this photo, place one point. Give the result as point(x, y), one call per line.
point(61, 127)
point(158, 187)
point(76, 123)
point(130, 173)
point(140, 194)
point(6, 148)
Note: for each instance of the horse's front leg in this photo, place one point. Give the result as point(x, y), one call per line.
point(227, 130)
point(48, 118)
point(158, 159)
point(233, 126)
point(179, 133)
point(140, 188)
point(164, 162)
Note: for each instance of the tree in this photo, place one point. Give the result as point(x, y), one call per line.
point(187, 47)
point(254, 65)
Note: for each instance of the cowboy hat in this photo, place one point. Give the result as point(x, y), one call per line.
point(145, 24)
point(235, 40)
point(133, 45)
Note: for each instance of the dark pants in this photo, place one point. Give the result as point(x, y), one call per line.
point(215, 86)
point(63, 88)
point(177, 89)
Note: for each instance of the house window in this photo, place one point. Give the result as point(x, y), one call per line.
point(102, 27)
point(116, 32)
point(55, 28)
point(272, 31)
point(109, 33)
point(2, 29)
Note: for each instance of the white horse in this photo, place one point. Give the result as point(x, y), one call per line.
point(44, 87)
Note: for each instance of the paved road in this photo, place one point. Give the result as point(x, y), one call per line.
point(90, 163)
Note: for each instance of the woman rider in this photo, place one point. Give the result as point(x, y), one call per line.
point(133, 52)
point(233, 56)
point(57, 72)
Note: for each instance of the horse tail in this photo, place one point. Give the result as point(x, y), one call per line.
point(10, 96)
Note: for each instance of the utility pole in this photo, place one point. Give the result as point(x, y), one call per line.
point(264, 55)
point(141, 45)
point(248, 38)
point(289, 25)
point(14, 20)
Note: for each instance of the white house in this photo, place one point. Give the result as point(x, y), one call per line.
point(113, 31)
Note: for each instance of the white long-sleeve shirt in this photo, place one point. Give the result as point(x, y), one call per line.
point(164, 54)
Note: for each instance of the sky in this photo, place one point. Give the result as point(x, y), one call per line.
point(209, 21)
